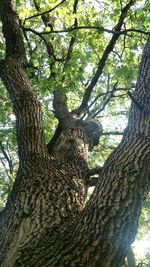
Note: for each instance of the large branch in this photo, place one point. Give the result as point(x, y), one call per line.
point(61, 109)
point(27, 109)
point(11, 30)
point(26, 106)
point(60, 99)
point(101, 64)
point(125, 178)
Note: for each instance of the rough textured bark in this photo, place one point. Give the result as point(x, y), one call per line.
point(45, 222)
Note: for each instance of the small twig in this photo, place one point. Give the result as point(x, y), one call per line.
point(116, 53)
point(112, 133)
point(124, 42)
point(48, 45)
point(106, 102)
point(107, 93)
point(8, 159)
point(6, 170)
point(45, 12)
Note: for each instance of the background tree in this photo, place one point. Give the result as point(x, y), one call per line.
point(64, 53)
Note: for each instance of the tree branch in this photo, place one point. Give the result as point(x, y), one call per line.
point(60, 99)
point(73, 38)
point(93, 113)
point(60, 106)
point(104, 105)
point(101, 64)
point(106, 93)
point(45, 12)
point(11, 31)
point(49, 46)
point(27, 108)
point(90, 27)
point(112, 133)
point(6, 156)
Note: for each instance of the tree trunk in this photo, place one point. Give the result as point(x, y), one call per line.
point(45, 221)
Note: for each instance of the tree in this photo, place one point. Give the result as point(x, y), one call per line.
point(45, 221)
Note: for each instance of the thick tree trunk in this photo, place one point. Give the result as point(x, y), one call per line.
point(45, 222)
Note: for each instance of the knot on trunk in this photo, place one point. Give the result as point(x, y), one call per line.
point(93, 130)
point(77, 139)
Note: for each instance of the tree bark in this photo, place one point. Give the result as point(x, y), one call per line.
point(45, 221)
